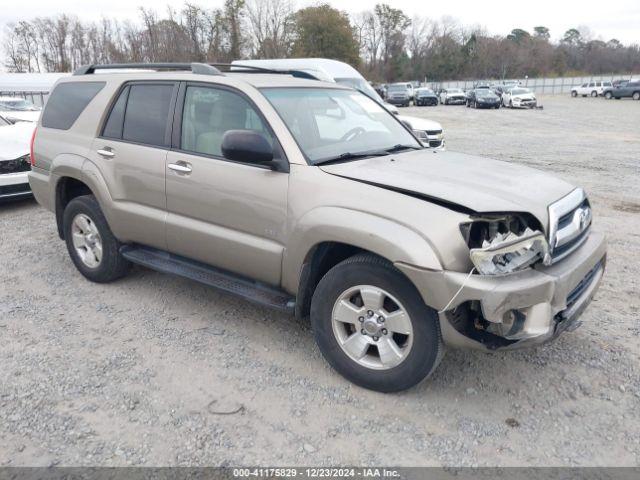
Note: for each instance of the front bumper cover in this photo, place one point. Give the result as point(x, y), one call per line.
point(547, 300)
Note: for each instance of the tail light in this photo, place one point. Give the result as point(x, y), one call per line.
point(33, 139)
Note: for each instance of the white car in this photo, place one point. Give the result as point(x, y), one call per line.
point(519, 97)
point(453, 96)
point(16, 109)
point(14, 159)
point(428, 131)
point(590, 88)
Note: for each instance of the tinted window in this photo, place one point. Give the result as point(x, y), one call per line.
point(208, 114)
point(66, 103)
point(113, 127)
point(147, 114)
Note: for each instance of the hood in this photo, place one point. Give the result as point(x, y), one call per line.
point(524, 96)
point(473, 183)
point(420, 123)
point(26, 115)
point(15, 140)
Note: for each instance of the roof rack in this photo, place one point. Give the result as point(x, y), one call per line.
point(198, 68)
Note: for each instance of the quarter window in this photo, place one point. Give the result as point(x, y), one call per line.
point(67, 102)
point(209, 113)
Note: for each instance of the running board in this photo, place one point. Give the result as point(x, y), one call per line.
point(222, 280)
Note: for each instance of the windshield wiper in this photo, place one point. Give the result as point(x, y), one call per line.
point(400, 146)
point(347, 156)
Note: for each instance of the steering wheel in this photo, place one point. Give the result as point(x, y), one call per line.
point(353, 133)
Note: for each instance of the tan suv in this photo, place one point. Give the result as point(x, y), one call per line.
point(312, 198)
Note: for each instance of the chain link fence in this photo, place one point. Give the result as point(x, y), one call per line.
point(541, 86)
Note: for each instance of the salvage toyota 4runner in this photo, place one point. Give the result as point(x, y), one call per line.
point(312, 198)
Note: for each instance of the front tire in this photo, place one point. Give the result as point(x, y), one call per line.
point(92, 247)
point(608, 95)
point(636, 96)
point(373, 327)
point(594, 94)
point(574, 93)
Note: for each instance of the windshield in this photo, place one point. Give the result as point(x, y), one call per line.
point(425, 91)
point(397, 88)
point(17, 104)
point(454, 90)
point(484, 93)
point(332, 124)
point(520, 91)
point(360, 84)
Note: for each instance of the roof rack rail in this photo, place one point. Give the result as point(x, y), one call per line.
point(254, 69)
point(198, 68)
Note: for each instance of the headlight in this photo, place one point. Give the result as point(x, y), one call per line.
point(506, 244)
point(421, 134)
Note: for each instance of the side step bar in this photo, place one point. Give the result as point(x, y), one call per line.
point(226, 281)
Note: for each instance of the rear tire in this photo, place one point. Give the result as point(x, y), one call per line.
point(636, 95)
point(608, 95)
point(574, 93)
point(92, 247)
point(407, 359)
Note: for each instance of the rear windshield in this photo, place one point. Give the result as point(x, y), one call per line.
point(66, 103)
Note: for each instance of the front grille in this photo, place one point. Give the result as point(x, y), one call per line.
point(435, 143)
point(15, 166)
point(569, 224)
point(434, 132)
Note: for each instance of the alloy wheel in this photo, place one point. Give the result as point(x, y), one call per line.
point(87, 241)
point(372, 327)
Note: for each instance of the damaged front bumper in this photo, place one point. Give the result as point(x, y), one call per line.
point(513, 310)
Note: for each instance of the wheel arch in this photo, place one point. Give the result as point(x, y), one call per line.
point(327, 236)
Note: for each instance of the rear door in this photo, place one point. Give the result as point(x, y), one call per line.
point(131, 153)
point(228, 214)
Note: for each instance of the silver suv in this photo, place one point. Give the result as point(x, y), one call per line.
point(312, 198)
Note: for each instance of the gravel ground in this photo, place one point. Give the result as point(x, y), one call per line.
point(157, 370)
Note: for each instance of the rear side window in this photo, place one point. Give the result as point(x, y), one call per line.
point(113, 127)
point(147, 114)
point(67, 102)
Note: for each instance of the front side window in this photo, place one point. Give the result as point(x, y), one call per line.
point(209, 113)
point(147, 113)
point(330, 124)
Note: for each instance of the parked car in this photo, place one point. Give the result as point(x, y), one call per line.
point(483, 98)
point(14, 159)
point(629, 89)
point(590, 88)
point(393, 250)
point(344, 74)
point(17, 109)
point(452, 96)
point(399, 94)
point(519, 97)
point(619, 83)
point(425, 96)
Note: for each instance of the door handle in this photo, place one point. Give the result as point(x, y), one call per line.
point(180, 167)
point(106, 152)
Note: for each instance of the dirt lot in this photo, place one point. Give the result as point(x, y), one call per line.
point(156, 370)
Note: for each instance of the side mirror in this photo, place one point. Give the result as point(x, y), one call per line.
point(246, 146)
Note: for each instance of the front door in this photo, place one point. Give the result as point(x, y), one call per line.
point(227, 214)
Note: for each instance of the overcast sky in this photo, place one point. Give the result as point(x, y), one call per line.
point(613, 19)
